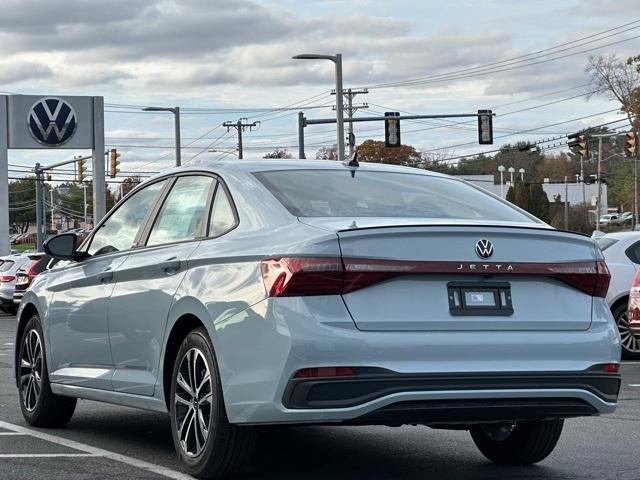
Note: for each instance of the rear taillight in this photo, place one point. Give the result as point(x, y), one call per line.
point(303, 276)
point(7, 278)
point(32, 271)
point(634, 302)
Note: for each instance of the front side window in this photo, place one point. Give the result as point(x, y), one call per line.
point(222, 214)
point(336, 193)
point(182, 214)
point(121, 228)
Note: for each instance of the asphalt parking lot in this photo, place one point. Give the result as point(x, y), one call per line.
point(104, 441)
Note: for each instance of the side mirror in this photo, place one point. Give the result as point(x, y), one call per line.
point(62, 247)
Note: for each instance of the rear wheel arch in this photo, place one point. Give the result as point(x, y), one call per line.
point(620, 301)
point(28, 311)
point(181, 328)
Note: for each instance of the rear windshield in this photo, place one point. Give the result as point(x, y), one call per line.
point(6, 265)
point(335, 193)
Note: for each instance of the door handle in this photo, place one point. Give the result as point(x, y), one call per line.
point(105, 277)
point(171, 266)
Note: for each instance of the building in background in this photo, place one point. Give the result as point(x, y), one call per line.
point(551, 189)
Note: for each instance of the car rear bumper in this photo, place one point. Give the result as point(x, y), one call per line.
point(371, 384)
point(417, 373)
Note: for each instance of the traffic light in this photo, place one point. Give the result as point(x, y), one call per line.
point(485, 127)
point(81, 169)
point(113, 163)
point(392, 130)
point(631, 144)
point(578, 143)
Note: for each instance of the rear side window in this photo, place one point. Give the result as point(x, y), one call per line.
point(335, 193)
point(633, 253)
point(6, 266)
point(223, 218)
point(182, 213)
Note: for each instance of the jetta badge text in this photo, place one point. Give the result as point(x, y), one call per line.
point(486, 267)
point(52, 121)
point(484, 248)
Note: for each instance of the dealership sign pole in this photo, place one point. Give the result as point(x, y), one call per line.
point(53, 123)
point(5, 247)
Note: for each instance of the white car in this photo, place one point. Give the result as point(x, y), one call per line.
point(244, 293)
point(609, 219)
point(622, 253)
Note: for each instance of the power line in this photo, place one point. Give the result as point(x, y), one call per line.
point(483, 69)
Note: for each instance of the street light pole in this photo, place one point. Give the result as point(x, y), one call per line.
point(337, 60)
point(511, 172)
point(521, 172)
point(599, 198)
point(501, 170)
point(176, 124)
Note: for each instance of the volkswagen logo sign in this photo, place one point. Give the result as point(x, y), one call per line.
point(52, 121)
point(484, 248)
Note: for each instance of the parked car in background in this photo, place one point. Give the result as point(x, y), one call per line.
point(9, 267)
point(608, 219)
point(273, 292)
point(622, 253)
point(35, 264)
point(625, 217)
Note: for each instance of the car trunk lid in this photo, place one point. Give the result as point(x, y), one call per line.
point(399, 278)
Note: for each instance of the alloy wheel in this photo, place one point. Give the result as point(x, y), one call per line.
point(630, 340)
point(31, 370)
point(193, 402)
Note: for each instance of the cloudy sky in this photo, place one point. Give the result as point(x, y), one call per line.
point(221, 60)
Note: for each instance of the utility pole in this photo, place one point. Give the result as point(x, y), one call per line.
point(301, 124)
point(240, 126)
point(84, 191)
point(584, 193)
point(39, 234)
point(599, 199)
point(566, 203)
point(51, 202)
point(351, 109)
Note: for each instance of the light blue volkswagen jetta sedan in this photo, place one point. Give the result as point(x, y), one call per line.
point(249, 293)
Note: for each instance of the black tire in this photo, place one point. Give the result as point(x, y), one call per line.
point(226, 446)
point(528, 443)
point(40, 406)
point(630, 340)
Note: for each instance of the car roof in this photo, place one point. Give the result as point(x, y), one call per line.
point(261, 165)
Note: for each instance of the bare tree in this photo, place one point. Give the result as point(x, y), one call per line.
point(278, 153)
point(615, 79)
point(327, 153)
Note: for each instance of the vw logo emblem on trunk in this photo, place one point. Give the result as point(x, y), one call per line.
point(484, 248)
point(52, 121)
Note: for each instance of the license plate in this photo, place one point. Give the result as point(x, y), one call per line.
point(479, 299)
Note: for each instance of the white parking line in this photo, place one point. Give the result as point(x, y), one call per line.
point(46, 455)
point(134, 462)
point(11, 433)
point(634, 384)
